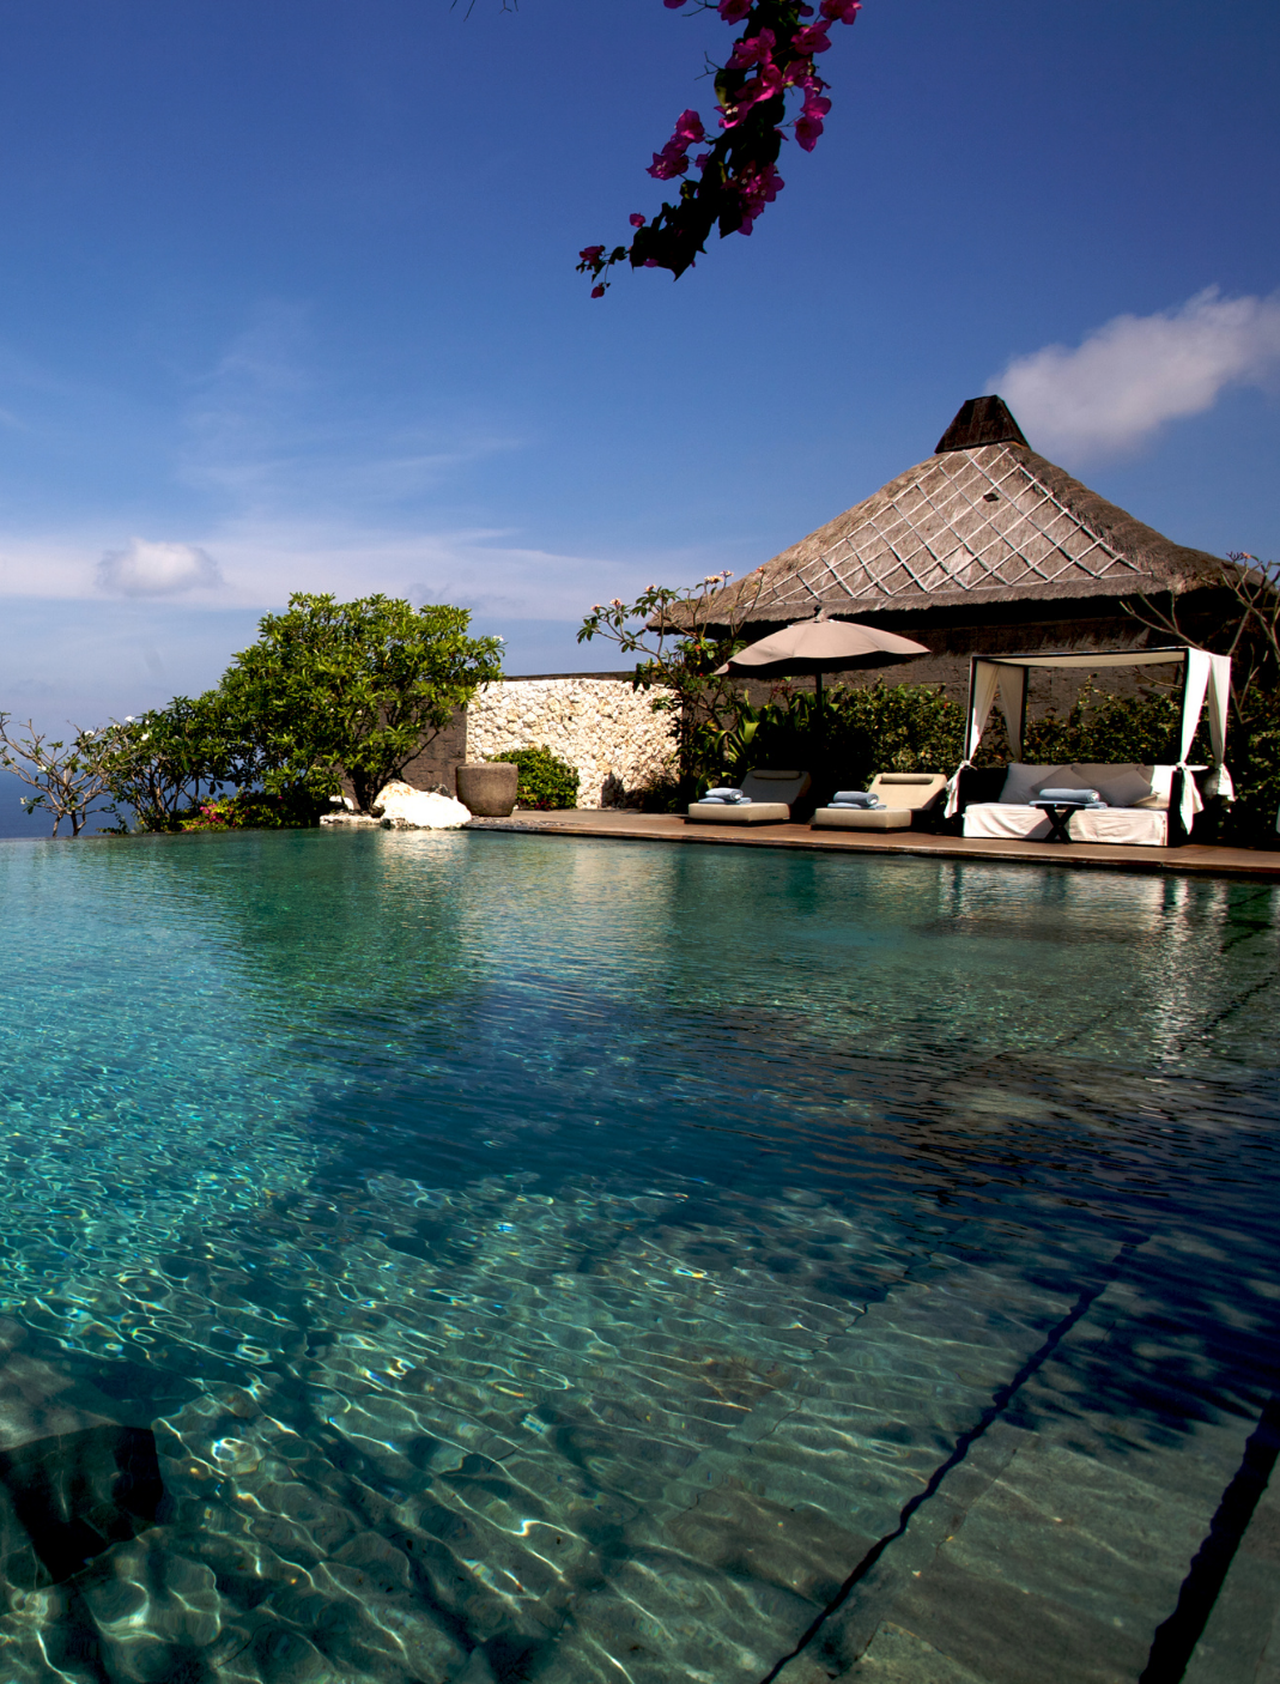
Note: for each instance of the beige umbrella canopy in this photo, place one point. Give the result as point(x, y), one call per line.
point(813, 645)
point(817, 644)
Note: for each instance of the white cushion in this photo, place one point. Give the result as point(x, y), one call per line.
point(1134, 826)
point(1005, 821)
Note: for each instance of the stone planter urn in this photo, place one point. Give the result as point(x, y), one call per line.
point(488, 787)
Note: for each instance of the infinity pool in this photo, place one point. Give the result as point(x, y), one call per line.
point(597, 1261)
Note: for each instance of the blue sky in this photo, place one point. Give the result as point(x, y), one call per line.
point(289, 303)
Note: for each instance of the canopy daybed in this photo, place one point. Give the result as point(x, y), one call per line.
point(1135, 800)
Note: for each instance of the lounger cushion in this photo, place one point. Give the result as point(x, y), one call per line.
point(775, 785)
point(916, 790)
point(862, 818)
point(752, 812)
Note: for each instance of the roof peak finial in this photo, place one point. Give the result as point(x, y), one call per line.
point(981, 421)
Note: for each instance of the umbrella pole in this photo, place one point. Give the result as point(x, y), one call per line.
point(821, 719)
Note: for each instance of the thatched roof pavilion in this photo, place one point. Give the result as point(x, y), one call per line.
point(983, 546)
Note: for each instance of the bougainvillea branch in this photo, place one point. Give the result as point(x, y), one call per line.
point(737, 176)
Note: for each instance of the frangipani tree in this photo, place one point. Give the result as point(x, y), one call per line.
point(68, 775)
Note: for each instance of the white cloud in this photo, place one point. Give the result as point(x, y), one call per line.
point(261, 561)
point(1130, 376)
point(145, 569)
point(484, 569)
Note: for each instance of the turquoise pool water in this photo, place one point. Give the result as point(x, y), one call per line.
point(596, 1261)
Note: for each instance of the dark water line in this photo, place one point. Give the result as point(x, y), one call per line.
point(1000, 1401)
point(1227, 1011)
point(1175, 1640)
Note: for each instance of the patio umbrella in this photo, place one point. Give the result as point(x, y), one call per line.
point(818, 644)
point(815, 645)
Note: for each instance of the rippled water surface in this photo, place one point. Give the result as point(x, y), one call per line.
point(596, 1261)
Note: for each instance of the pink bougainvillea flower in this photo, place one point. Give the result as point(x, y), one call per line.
point(668, 163)
point(767, 62)
point(801, 74)
point(759, 190)
point(812, 39)
point(808, 132)
point(763, 86)
point(755, 49)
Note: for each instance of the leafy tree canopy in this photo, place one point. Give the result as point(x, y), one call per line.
point(353, 690)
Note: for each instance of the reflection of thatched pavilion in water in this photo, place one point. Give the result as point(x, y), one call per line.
point(985, 548)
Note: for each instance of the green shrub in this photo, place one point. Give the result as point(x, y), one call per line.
point(859, 731)
point(545, 781)
point(1107, 730)
point(1253, 754)
point(253, 809)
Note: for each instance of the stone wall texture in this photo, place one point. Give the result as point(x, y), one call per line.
point(600, 725)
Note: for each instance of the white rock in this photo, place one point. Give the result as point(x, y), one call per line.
point(345, 818)
point(418, 808)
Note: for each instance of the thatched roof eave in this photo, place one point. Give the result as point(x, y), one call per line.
point(992, 524)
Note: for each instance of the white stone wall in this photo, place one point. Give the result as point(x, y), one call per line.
point(600, 725)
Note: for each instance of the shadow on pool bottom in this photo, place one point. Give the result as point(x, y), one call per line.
point(587, 1431)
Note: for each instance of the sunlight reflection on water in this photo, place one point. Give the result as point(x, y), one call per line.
point(537, 1259)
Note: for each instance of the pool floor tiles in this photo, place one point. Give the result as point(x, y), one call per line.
point(1241, 1639)
point(1036, 1559)
point(727, 1567)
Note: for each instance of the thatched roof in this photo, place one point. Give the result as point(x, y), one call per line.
point(983, 520)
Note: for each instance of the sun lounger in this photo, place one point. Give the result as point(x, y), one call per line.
point(903, 793)
point(770, 797)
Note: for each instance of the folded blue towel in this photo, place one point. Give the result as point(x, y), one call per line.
point(853, 798)
point(1086, 797)
point(858, 806)
point(726, 791)
point(735, 798)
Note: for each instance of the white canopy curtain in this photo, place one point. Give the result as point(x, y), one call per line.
point(1203, 675)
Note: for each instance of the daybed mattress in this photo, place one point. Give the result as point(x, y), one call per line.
point(750, 812)
point(1141, 827)
point(864, 818)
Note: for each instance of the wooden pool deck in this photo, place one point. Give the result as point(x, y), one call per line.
point(1190, 861)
